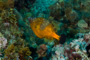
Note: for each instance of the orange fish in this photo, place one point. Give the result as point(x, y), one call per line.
point(43, 28)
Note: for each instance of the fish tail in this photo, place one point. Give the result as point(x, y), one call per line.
point(56, 36)
point(62, 39)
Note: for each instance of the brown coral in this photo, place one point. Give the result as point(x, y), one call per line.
point(87, 37)
point(70, 14)
point(10, 3)
point(10, 51)
point(56, 11)
point(6, 4)
point(42, 50)
point(17, 50)
point(24, 52)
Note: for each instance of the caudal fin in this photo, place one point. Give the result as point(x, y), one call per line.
point(62, 39)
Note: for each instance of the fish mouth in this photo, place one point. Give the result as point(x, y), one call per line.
point(30, 19)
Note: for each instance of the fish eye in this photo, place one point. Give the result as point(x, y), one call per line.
point(35, 26)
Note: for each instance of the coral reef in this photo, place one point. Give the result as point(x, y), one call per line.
point(65, 20)
point(17, 50)
point(77, 49)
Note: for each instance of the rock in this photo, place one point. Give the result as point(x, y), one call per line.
point(82, 24)
point(3, 42)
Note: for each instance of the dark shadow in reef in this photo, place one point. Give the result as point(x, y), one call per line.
point(20, 4)
point(62, 39)
point(88, 50)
